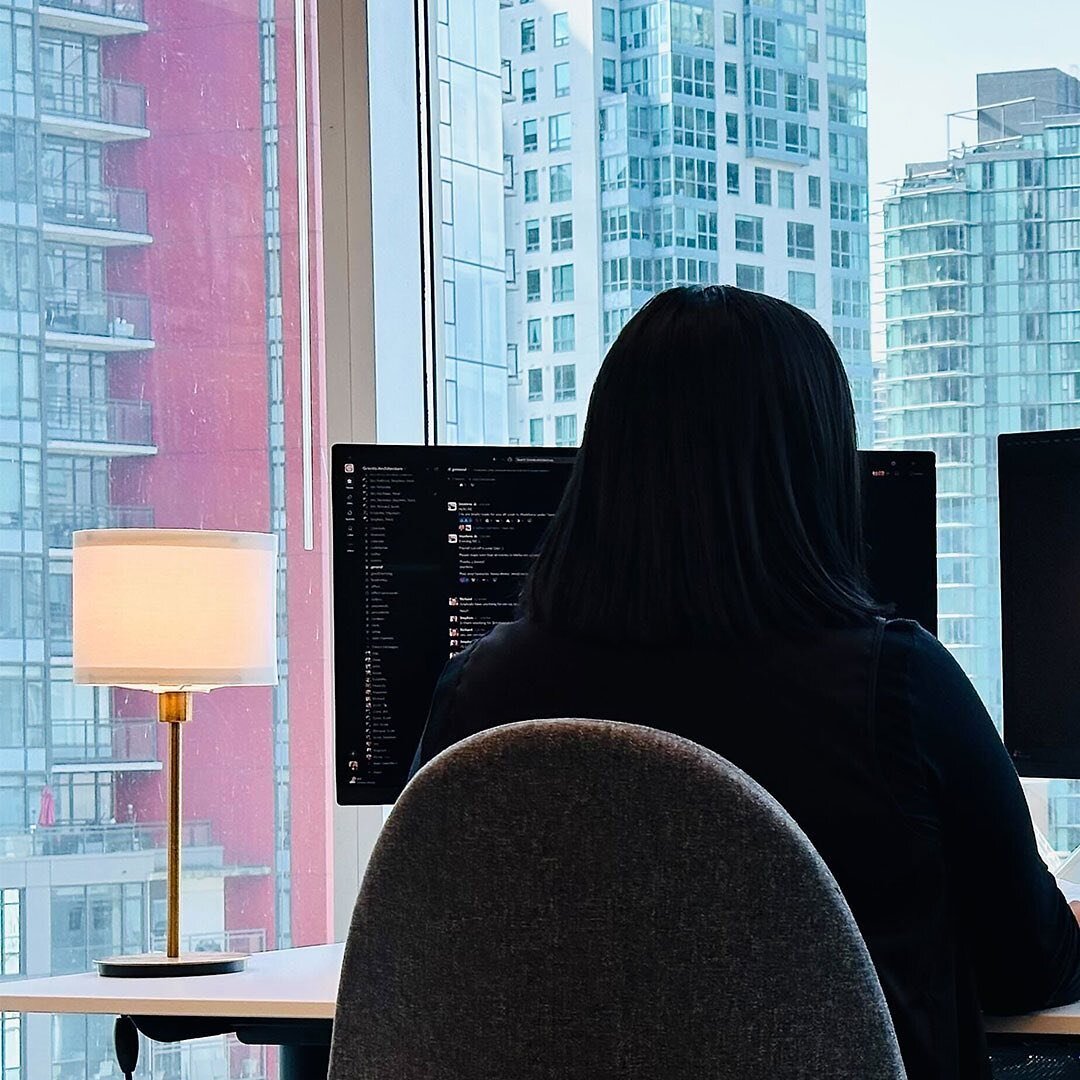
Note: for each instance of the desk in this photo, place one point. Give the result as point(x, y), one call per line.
point(283, 998)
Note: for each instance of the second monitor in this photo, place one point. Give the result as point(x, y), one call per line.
point(431, 545)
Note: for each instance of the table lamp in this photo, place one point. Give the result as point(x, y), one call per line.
point(174, 611)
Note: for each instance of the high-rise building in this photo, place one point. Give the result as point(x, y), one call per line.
point(149, 374)
point(982, 294)
point(652, 144)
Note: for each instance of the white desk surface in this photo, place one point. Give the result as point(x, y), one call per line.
point(291, 984)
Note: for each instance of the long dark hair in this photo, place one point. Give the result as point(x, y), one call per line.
point(715, 494)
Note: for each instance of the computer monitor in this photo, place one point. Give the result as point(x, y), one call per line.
point(431, 545)
point(1039, 516)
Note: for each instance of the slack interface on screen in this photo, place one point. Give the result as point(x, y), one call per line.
point(430, 549)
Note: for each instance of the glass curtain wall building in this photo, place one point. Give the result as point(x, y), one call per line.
point(982, 293)
point(674, 142)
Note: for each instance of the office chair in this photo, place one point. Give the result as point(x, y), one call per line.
point(583, 900)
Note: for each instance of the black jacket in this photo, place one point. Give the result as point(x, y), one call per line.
point(877, 744)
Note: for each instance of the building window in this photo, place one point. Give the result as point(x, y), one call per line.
point(528, 35)
point(536, 384)
point(763, 186)
point(566, 430)
point(532, 185)
point(813, 191)
point(562, 333)
point(565, 382)
point(562, 282)
point(732, 178)
point(763, 81)
point(731, 24)
point(532, 235)
point(802, 289)
point(800, 240)
point(785, 189)
point(534, 335)
point(559, 131)
point(763, 37)
point(607, 24)
point(750, 234)
point(507, 84)
point(560, 29)
point(511, 276)
point(731, 79)
point(532, 285)
point(750, 277)
point(529, 141)
point(508, 172)
point(11, 950)
point(610, 78)
point(536, 431)
point(562, 79)
point(528, 84)
point(731, 127)
point(813, 95)
point(561, 179)
point(562, 232)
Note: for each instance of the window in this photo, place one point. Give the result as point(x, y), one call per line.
point(750, 277)
point(532, 235)
point(536, 431)
point(532, 185)
point(764, 82)
point(785, 189)
point(730, 28)
point(507, 86)
point(562, 79)
point(528, 35)
point(749, 234)
point(763, 186)
point(609, 76)
point(560, 29)
point(802, 289)
point(566, 430)
point(532, 285)
point(559, 131)
point(731, 128)
point(813, 191)
point(731, 78)
point(529, 141)
point(607, 24)
point(528, 85)
point(534, 335)
point(732, 178)
point(763, 37)
point(565, 382)
point(561, 182)
point(800, 240)
point(562, 333)
point(536, 384)
point(562, 232)
point(562, 283)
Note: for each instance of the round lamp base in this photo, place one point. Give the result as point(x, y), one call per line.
point(159, 966)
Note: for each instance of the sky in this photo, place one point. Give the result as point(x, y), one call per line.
point(922, 59)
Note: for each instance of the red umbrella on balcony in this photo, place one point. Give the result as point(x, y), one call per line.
point(47, 807)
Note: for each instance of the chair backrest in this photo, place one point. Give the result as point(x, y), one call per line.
point(583, 900)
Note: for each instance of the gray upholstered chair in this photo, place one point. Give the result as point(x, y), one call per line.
point(578, 900)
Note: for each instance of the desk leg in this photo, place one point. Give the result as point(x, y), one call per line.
point(300, 1062)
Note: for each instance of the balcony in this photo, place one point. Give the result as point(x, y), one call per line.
point(102, 110)
point(99, 18)
point(80, 745)
point(103, 217)
point(111, 428)
point(104, 322)
point(63, 520)
point(70, 838)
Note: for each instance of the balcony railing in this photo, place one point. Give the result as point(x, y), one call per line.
point(87, 420)
point(65, 519)
point(241, 941)
point(104, 101)
point(113, 9)
point(75, 742)
point(112, 315)
point(118, 209)
point(76, 839)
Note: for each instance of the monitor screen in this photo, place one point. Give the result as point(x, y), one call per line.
point(431, 545)
point(1039, 514)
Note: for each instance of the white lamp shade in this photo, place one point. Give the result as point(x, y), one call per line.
point(174, 609)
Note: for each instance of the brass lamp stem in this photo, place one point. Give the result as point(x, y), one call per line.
point(174, 709)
